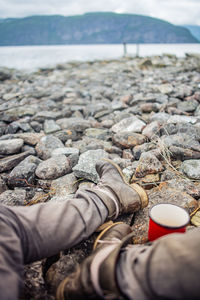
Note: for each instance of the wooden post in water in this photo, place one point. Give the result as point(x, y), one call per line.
point(125, 50)
point(137, 50)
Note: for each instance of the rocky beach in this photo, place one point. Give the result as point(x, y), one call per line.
point(56, 123)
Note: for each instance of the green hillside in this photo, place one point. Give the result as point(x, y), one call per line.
point(91, 28)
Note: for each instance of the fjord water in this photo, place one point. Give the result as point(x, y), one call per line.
point(33, 57)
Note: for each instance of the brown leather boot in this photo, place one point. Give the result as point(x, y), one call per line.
point(117, 195)
point(95, 278)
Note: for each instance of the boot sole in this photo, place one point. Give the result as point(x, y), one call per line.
point(141, 192)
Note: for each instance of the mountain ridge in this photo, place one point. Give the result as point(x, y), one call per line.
point(195, 30)
point(90, 28)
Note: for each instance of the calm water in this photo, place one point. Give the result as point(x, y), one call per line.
point(33, 57)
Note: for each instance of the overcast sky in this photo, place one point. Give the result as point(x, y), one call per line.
point(174, 11)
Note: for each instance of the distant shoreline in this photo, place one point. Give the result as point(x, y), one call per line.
point(31, 58)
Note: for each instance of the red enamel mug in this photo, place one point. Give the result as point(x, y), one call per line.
point(166, 218)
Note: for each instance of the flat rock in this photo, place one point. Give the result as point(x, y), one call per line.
point(24, 173)
point(165, 88)
point(43, 115)
point(148, 164)
point(50, 126)
point(188, 106)
point(3, 186)
point(128, 139)
point(185, 185)
point(166, 194)
point(147, 182)
point(65, 135)
point(160, 117)
point(195, 220)
point(181, 140)
point(10, 162)
point(11, 146)
point(97, 133)
point(65, 185)
point(5, 74)
point(87, 143)
point(183, 154)
point(182, 119)
point(129, 171)
point(30, 138)
point(181, 128)
point(16, 197)
point(132, 124)
point(70, 152)
point(46, 145)
point(53, 167)
point(76, 124)
point(191, 168)
point(138, 150)
point(86, 164)
point(151, 130)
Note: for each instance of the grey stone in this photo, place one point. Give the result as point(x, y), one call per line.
point(120, 115)
point(132, 124)
point(36, 126)
point(24, 126)
point(76, 124)
point(53, 167)
point(46, 145)
point(5, 74)
point(88, 143)
point(168, 194)
point(182, 119)
point(130, 170)
point(148, 164)
point(43, 115)
point(181, 140)
point(50, 126)
point(180, 128)
point(94, 108)
point(70, 152)
point(165, 88)
point(128, 139)
point(191, 168)
point(11, 146)
point(65, 185)
point(183, 154)
point(185, 185)
point(8, 163)
point(107, 123)
point(149, 107)
point(24, 173)
point(138, 150)
point(3, 186)
point(151, 130)
point(160, 117)
point(12, 128)
point(65, 135)
point(188, 106)
point(86, 164)
point(16, 197)
point(29, 148)
point(97, 133)
point(30, 138)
